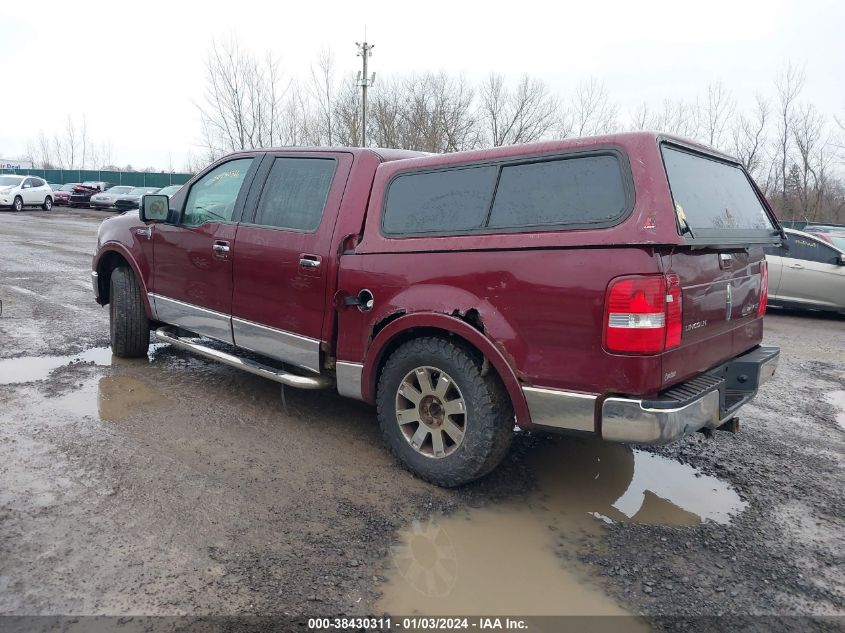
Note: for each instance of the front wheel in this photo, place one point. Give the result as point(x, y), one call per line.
point(446, 420)
point(17, 205)
point(129, 327)
point(48, 203)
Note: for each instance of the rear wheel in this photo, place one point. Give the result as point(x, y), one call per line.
point(129, 327)
point(17, 205)
point(48, 203)
point(445, 420)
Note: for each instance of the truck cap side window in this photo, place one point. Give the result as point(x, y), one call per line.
point(213, 197)
point(546, 194)
point(572, 191)
point(295, 193)
point(446, 201)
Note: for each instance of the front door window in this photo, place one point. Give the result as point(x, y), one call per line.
point(213, 197)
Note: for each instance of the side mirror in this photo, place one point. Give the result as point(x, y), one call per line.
point(26, 185)
point(841, 261)
point(154, 208)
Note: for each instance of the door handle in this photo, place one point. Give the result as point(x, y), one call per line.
point(221, 248)
point(796, 266)
point(311, 262)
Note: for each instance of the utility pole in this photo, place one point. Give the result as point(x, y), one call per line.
point(365, 82)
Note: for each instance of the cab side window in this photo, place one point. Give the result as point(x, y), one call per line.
point(212, 198)
point(27, 183)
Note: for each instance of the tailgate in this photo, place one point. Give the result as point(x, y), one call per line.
point(720, 295)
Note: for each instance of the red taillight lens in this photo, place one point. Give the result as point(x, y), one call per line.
point(643, 314)
point(764, 288)
point(673, 311)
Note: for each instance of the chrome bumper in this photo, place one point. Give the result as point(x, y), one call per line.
point(720, 394)
point(629, 421)
point(735, 383)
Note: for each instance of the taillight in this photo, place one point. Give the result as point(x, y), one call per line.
point(764, 288)
point(673, 311)
point(643, 314)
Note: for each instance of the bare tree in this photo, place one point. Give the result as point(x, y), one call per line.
point(242, 107)
point(749, 135)
point(322, 87)
point(519, 115)
point(788, 84)
point(717, 109)
point(592, 112)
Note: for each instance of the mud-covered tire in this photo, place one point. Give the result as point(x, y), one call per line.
point(129, 327)
point(17, 204)
point(48, 203)
point(487, 425)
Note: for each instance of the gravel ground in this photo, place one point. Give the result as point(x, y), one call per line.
point(175, 486)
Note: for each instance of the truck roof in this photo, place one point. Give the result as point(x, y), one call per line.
point(504, 151)
point(383, 154)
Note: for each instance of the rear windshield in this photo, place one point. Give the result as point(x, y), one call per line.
point(712, 196)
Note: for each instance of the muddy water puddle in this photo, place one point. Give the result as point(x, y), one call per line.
point(24, 369)
point(109, 398)
point(517, 557)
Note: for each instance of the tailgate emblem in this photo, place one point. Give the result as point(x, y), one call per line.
point(729, 302)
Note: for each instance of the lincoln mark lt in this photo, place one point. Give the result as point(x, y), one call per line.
point(611, 286)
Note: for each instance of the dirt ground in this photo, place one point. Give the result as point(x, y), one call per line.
point(176, 486)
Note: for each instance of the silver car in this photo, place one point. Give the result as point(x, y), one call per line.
point(806, 272)
point(106, 199)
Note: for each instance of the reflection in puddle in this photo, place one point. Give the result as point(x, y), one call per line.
point(29, 368)
point(837, 399)
point(502, 559)
point(110, 398)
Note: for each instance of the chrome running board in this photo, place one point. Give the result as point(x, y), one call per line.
point(170, 335)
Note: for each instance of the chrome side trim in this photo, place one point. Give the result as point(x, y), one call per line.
point(561, 409)
point(348, 377)
point(203, 321)
point(295, 349)
point(169, 335)
point(627, 420)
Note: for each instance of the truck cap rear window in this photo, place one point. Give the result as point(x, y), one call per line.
point(712, 196)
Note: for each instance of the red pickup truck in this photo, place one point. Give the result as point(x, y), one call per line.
point(611, 286)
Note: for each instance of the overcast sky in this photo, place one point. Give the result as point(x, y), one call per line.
point(136, 69)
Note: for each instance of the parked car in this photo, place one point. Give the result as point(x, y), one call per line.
point(81, 194)
point(61, 196)
point(562, 285)
point(17, 192)
point(130, 200)
point(806, 272)
point(169, 190)
point(107, 198)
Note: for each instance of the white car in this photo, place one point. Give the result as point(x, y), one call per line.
point(18, 192)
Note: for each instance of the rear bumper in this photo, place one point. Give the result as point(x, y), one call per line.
point(704, 402)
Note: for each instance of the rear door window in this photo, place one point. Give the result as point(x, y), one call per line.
point(811, 250)
point(295, 193)
point(713, 197)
